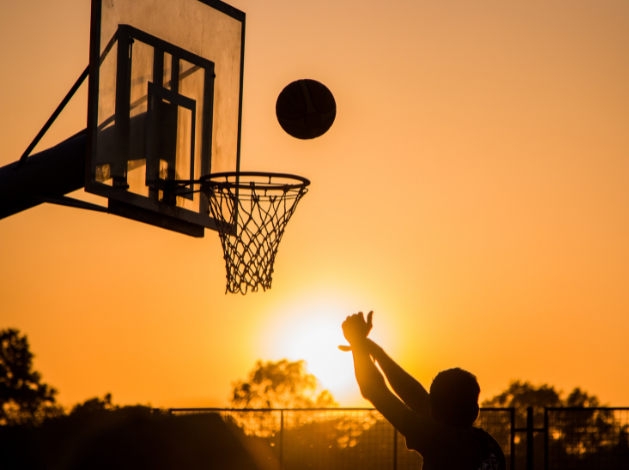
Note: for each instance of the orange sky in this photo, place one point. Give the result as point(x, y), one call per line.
point(472, 192)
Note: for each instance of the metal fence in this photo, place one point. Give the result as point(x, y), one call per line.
point(586, 438)
point(341, 438)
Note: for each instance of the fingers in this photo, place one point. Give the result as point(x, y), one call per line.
point(360, 318)
point(359, 315)
point(355, 328)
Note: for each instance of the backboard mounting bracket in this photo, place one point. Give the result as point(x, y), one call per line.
point(52, 118)
point(70, 202)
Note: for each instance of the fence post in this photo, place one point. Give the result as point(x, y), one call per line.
point(530, 442)
point(512, 445)
point(546, 438)
point(281, 439)
point(394, 449)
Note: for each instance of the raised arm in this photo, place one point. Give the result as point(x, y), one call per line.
point(412, 393)
point(370, 380)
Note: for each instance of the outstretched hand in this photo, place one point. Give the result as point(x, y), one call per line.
point(356, 329)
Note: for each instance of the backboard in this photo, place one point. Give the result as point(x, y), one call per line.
point(165, 103)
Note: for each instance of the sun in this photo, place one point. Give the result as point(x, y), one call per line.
point(318, 346)
point(314, 336)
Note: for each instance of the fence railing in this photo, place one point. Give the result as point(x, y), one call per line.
point(342, 438)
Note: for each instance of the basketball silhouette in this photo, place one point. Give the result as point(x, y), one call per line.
point(305, 109)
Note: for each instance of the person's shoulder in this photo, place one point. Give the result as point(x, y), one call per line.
point(493, 456)
point(450, 447)
point(483, 436)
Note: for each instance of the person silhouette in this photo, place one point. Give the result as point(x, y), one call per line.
point(438, 425)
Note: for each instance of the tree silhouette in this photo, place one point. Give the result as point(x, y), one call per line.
point(272, 385)
point(520, 395)
point(24, 399)
point(281, 384)
point(568, 434)
point(94, 405)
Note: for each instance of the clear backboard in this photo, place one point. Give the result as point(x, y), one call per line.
point(165, 105)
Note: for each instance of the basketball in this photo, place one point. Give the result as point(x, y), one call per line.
point(305, 109)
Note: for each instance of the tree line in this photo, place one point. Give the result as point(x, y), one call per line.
point(36, 432)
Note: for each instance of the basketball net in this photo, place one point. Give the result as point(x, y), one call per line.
point(251, 217)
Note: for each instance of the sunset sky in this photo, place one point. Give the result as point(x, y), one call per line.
point(472, 192)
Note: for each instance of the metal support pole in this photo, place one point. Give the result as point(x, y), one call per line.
point(530, 443)
point(46, 175)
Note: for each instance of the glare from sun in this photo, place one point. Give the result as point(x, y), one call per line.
point(318, 347)
point(315, 338)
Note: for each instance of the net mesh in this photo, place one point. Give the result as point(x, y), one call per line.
point(251, 218)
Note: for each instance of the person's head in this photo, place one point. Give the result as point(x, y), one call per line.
point(454, 397)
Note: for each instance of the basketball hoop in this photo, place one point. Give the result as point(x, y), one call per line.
point(252, 210)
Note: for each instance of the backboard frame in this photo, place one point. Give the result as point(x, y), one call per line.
point(129, 204)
